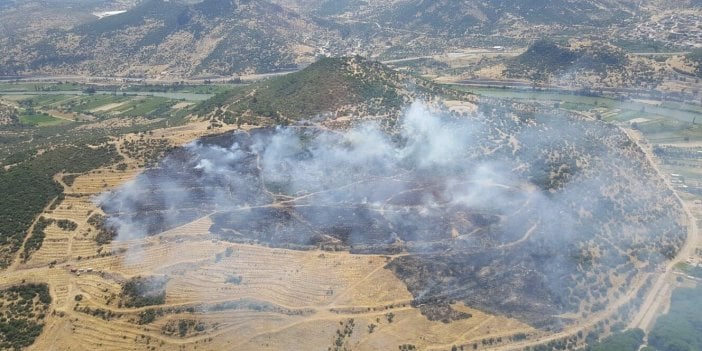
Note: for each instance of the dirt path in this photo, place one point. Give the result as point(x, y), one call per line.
point(526, 237)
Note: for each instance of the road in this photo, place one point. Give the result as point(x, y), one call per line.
point(657, 298)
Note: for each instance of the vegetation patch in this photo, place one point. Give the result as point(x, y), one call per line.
point(143, 291)
point(105, 233)
point(695, 58)
point(35, 240)
point(183, 327)
point(40, 119)
point(23, 309)
point(629, 340)
point(67, 225)
point(681, 327)
point(29, 186)
point(8, 115)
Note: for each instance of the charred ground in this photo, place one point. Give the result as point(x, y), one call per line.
point(513, 210)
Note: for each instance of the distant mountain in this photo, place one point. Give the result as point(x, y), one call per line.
point(25, 22)
point(206, 38)
point(212, 37)
point(334, 87)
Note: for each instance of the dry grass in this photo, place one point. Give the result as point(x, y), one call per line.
point(329, 287)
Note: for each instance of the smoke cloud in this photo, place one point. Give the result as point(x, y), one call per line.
point(510, 211)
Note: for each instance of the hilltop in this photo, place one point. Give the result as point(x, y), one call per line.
point(330, 87)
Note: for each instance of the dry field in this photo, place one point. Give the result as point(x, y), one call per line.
point(225, 296)
point(307, 295)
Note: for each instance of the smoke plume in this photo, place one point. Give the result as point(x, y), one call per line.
point(510, 211)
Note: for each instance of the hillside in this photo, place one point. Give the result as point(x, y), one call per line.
point(550, 58)
point(584, 64)
point(157, 37)
point(336, 87)
point(460, 17)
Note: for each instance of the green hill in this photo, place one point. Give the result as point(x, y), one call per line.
point(350, 86)
point(544, 58)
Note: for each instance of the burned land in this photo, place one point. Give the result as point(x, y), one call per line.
point(513, 210)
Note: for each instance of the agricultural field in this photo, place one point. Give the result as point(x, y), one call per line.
point(53, 104)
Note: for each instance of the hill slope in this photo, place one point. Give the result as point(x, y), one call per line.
point(549, 57)
point(459, 17)
point(351, 86)
point(213, 37)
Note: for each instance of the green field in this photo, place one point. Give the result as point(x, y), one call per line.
point(41, 120)
point(664, 123)
point(172, 91)
point(39, 87)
